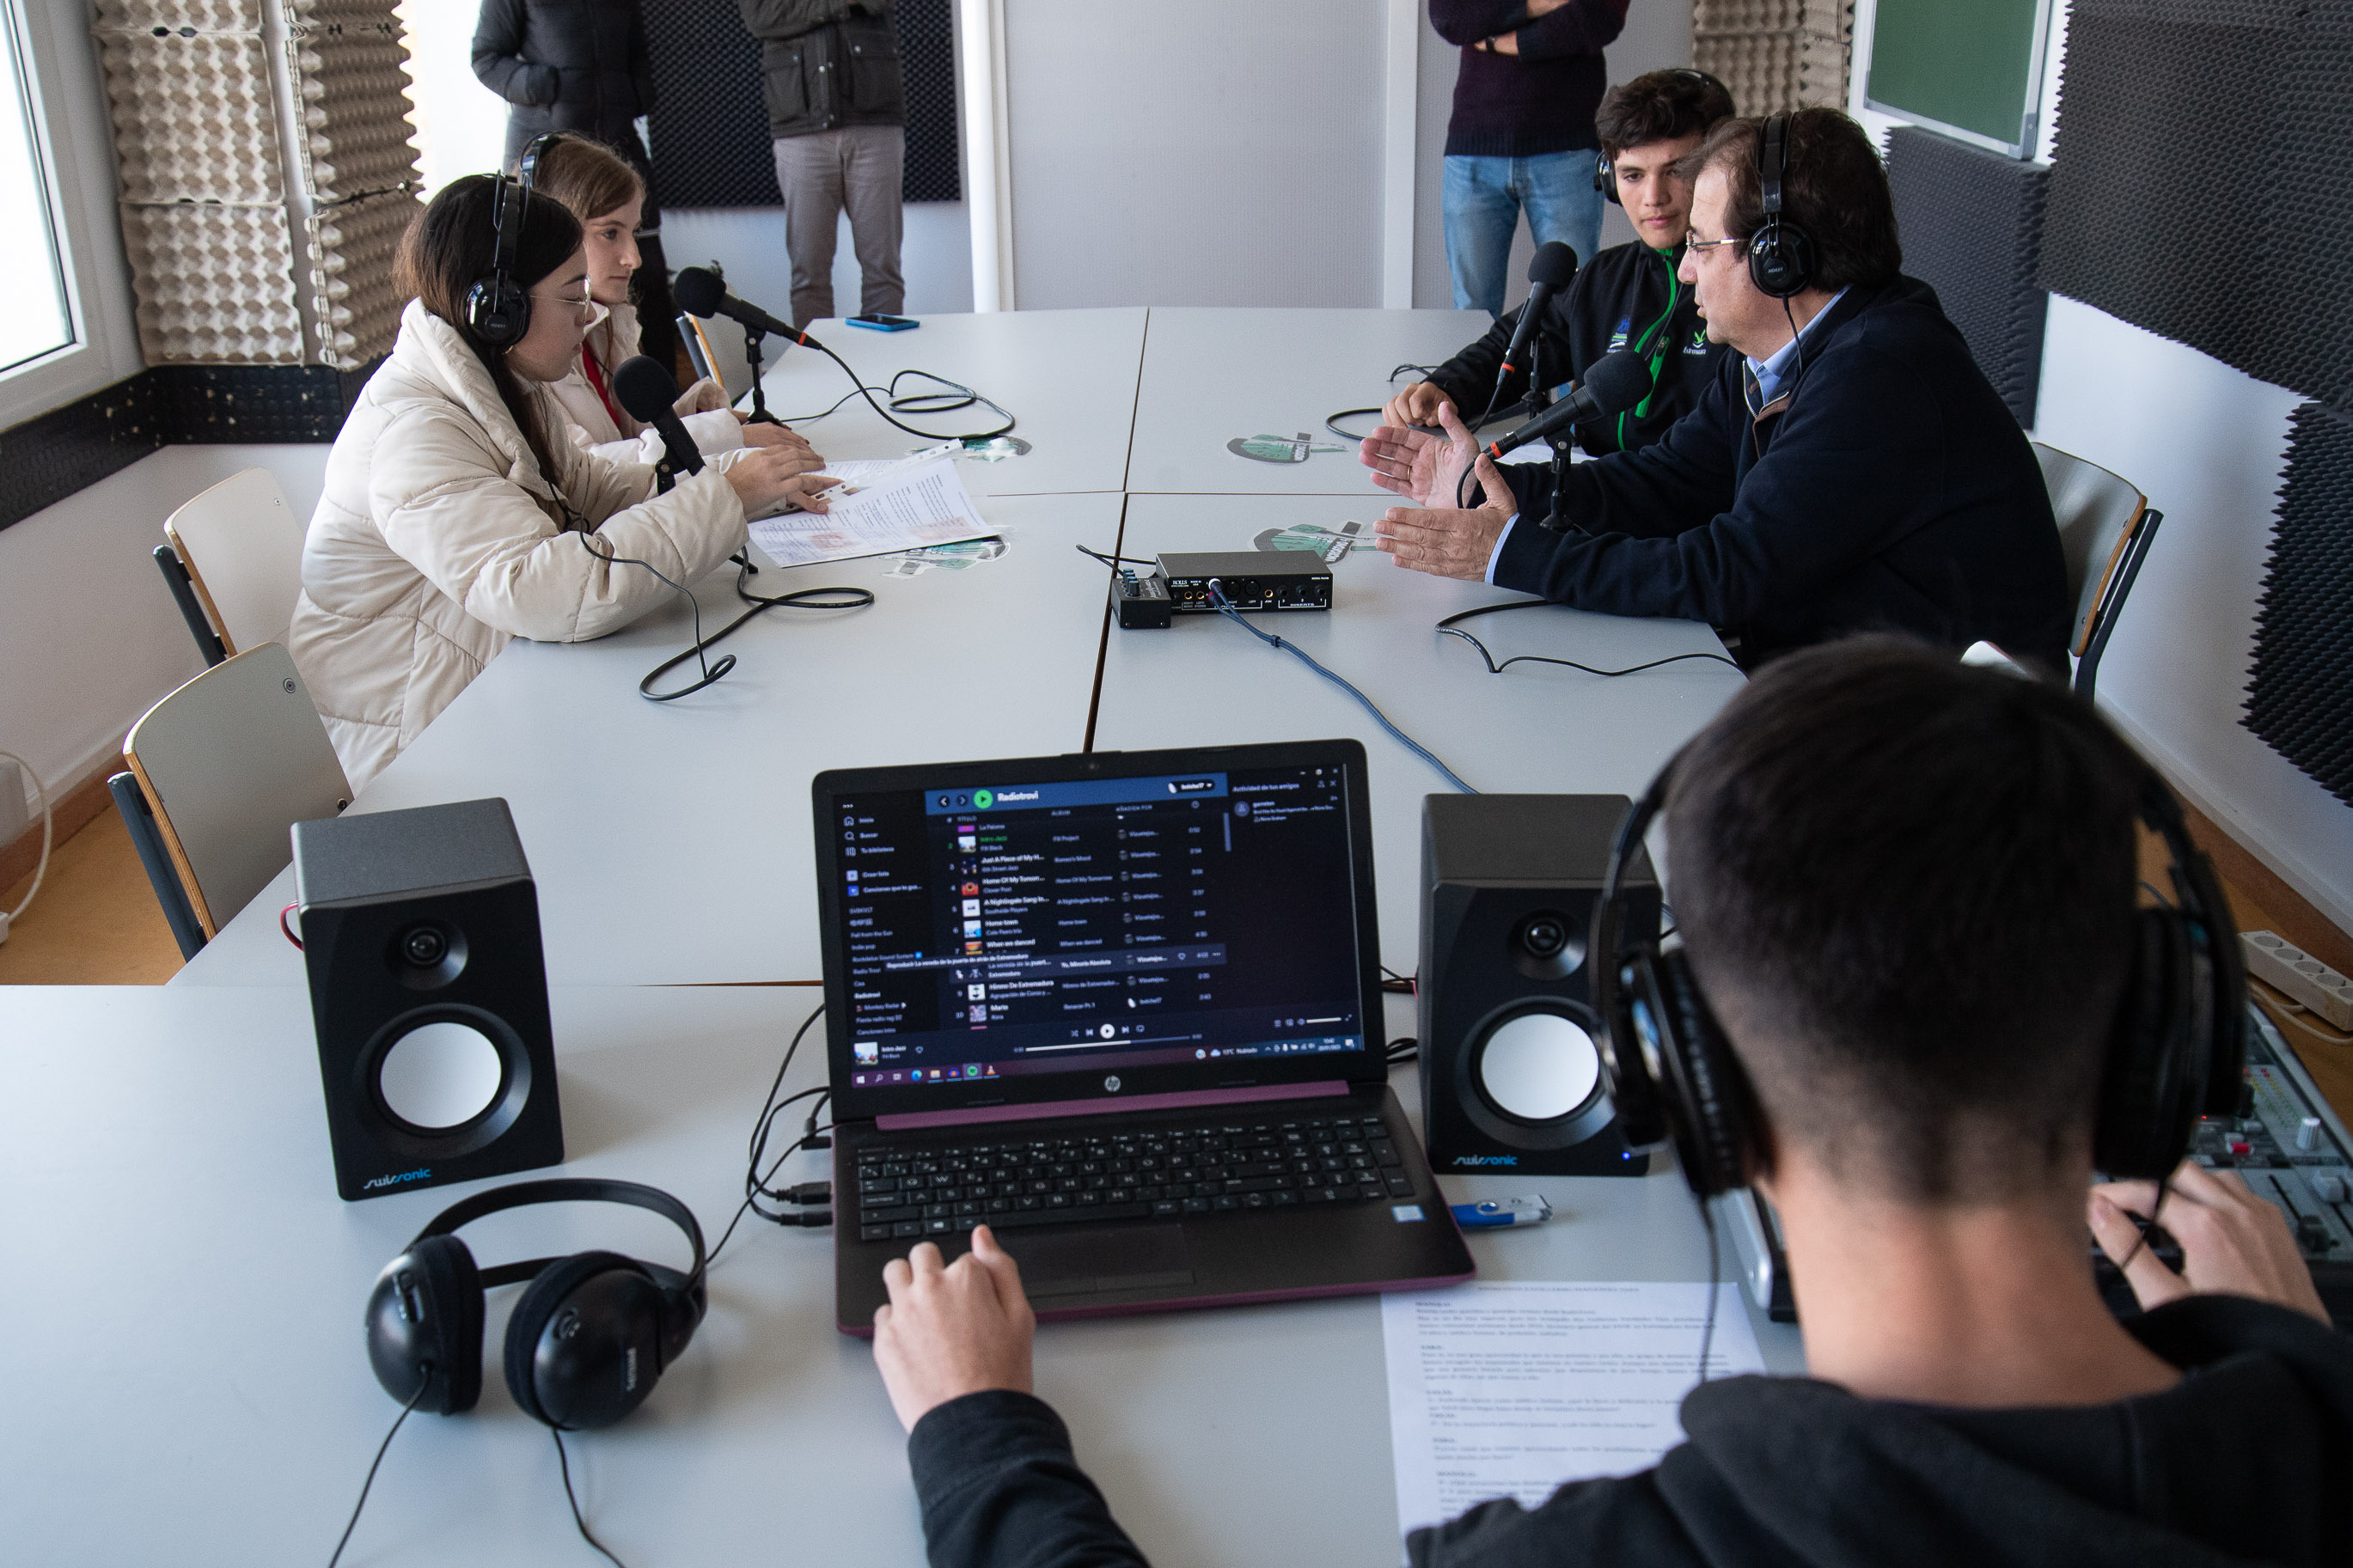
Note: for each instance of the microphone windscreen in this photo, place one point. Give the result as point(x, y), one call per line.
point(698, 291)
point(1617, 382)
point(1554, 264)
point(646, 390)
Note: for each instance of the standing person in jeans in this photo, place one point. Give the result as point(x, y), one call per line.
point(581, 65)
point(837, 109)
point(1522, 134)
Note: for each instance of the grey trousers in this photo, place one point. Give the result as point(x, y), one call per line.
point(859, 167)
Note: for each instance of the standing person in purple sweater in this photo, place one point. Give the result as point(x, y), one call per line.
point(1522, 134)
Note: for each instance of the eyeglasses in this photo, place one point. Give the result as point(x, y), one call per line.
point(1691, 244)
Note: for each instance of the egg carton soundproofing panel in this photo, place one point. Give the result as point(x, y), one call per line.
point(352, 247)
point(709, 129)
point(350, 88)
point(194, 117)
point(2300, 689)
point(1775, 55)
point(1972, 227)
point(213, 283)
point(171, 15)
point(2194, 189)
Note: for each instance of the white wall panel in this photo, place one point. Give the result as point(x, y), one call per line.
point(1217, 153)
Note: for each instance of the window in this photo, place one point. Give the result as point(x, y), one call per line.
point(40, 320)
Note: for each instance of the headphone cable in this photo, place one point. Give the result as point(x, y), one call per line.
point(799, 599)
point(564, 1463)
point(1450, 628)
point(424, 1382)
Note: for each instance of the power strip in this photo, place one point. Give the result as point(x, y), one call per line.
point(2302, 977)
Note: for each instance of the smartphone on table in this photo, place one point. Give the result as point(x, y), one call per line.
point(880, 323)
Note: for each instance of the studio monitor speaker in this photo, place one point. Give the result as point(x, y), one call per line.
point(420, 930)
point(1511, 1067)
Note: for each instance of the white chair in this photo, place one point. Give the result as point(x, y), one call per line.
point(235, 563)
point(2105, 527)
point(226, 766)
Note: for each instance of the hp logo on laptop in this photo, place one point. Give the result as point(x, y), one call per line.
point(1111, 1084)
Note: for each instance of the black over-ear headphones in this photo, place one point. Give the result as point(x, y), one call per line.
point(1605, 174)
point(2176, 1050)
point(498, 310)
point(1781, 254)
point(585, 1344)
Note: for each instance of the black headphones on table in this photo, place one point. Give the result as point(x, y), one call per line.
point(498, 311)
point(1781, 254)
point(2176, 1050)
point(584, 1346)
point(1605, 176)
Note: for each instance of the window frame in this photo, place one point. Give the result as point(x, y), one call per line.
point(73, 137)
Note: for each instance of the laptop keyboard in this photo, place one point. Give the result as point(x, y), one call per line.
point(1182, 1170)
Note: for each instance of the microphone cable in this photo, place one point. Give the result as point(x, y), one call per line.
point(1449, 627)
point(953, 396)
point(799, 599)
point(1224, 607)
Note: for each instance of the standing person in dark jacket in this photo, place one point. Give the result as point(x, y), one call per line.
point(1849, 469)
point(1522, 134)
point(1626, 297)
point(837, 109)
point(581, 65)
point(1907, 889)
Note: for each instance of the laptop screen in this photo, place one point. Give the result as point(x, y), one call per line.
point(1100, 925)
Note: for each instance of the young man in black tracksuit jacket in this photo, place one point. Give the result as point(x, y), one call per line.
point(1848, 468)
point(1627, 296)
point(1906, 890)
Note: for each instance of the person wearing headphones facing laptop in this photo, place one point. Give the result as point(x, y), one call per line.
point(1627, 296)
point(451, 519)
point(1914, 962)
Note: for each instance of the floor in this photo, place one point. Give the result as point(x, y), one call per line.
point(96, 922)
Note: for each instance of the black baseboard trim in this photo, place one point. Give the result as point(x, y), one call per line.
point(70, 449)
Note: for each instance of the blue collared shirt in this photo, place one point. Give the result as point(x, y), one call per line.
point(1766, 376)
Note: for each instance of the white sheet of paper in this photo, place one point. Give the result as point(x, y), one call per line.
point(1508, 1388)
point(922, 505)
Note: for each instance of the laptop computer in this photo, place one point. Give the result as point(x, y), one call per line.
point(1126, 1008)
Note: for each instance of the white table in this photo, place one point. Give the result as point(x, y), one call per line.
point(192, 1385)
point(671, 842)
point(1535, 729)
point(1066, 376)
point(1212, 374)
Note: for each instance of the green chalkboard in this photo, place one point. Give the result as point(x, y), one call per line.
point(1973, 65)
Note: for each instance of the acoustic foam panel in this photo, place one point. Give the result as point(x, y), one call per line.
point(1972, 222)
point(213, 283)
point(2195, 187)
point(352, 246)
point(2300, 689)
point(194, 118)
point(709, 129)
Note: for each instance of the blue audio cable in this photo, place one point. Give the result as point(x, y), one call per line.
point(1218, 600)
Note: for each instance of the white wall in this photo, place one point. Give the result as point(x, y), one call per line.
point(89, 638)
point(1657, 35)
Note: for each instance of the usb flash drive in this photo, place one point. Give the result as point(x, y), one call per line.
point(1530, 1210)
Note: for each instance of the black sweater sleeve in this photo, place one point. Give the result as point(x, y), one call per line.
point(1579, 28)
point(1000, 1489)
point(1467, 378)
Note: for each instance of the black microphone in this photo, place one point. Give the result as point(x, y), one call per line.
point(700, 292)
point(1612, 383)
point(648, 392)
point(1553, 267)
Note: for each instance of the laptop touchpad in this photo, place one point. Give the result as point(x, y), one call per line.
point(1095, 1260)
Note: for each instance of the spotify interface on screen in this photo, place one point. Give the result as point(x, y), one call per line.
point(1037, 928)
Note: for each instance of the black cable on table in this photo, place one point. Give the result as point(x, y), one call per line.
point(1451, 629)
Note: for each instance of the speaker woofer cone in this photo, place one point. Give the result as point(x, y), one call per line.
point(1530, 1075)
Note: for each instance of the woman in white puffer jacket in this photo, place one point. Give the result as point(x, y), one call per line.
point(608, 197)
point(451, 522)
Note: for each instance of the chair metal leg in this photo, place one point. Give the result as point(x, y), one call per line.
point(2088, 668)
point(183, 593)
point(178, 914)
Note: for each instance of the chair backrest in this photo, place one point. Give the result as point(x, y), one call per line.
point(242, 545)
point(229, 762)
point(725, 340)
point(2098, 513)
